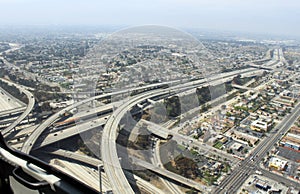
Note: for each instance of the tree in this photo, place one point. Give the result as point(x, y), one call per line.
point(229, 151)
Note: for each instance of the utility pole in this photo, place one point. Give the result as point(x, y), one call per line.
point(100, 167)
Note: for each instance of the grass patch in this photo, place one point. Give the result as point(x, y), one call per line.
point(218, 145)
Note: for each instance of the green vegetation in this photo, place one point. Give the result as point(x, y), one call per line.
point(42, 92)
point(243, 108)
point(181, 147)
point(230, 151)
point(205, 108)
point(226, 168)
point(194, 152)
point(65, 85)
point(15, 92)
point(209, 178)
point(218, 145)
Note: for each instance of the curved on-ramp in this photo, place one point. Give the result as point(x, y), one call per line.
point(31, 102)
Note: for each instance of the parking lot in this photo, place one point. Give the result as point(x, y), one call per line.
point(289, 154)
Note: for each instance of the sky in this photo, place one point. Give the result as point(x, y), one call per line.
point(259, 16)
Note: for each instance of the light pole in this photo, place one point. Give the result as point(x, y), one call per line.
point(100, 167)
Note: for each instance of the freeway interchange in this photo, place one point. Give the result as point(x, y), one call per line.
point(110, 159)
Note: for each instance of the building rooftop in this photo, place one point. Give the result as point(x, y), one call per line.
point(277, 163)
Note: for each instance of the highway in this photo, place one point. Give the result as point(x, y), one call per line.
point(8, 102)
point(8, 121)
point(115, 173)
point(99, 122)
point(241, 87)
point(156, 129)
point(95, 162)
point(27, 146)
point(110, 157)
point(12, 112)
point(74, 156)
point(128, 107)
point(31, 102)
point(232, 183)
point(71, 131)
point(83, 173)
point(173, 188)
point(111, 162)
point(277, 60)
point(173, 176)
point(39, 130)
point(192, 142)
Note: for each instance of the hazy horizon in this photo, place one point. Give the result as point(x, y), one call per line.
point(266, 17)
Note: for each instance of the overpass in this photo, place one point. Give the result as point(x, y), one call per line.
point(71, 131)
point(95, 162)
point(156, 160)
point(170, 175)
point(182, 138)
point(27, 146)
point(75, 156)
point(110, 158)
point(83, 127)
point(262, 66)
point(111, 136)
point(110, 132)
point(8, 121)
point(83, 173)
point(156, 129)
point(278, 59)
point(31, 102)
point(12, 112)
point(241, 87)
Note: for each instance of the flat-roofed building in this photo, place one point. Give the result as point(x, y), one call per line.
point(277, 163)
point(262, 184)
point(260, 125)
point(295, 130)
